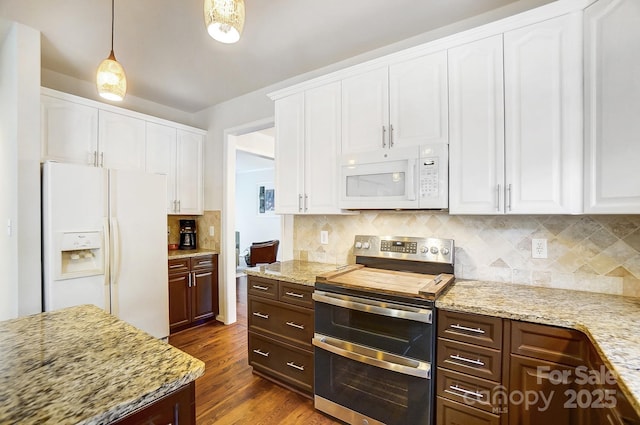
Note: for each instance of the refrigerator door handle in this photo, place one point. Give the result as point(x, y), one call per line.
point(115, 263)
point(107, 263)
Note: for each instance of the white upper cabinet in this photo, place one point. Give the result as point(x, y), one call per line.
point(403, 104)
point(543, 117)
point(307, 146)
point(161, 158)
point(121, 141)
point(524, 157)
point(69, 131)
point(612, 88)
point(476, 138)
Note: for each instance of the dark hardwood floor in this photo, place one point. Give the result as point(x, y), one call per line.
point(229, 393)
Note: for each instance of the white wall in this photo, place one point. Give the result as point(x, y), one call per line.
point(254, 227)
point(20, 287)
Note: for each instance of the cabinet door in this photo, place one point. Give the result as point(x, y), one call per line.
point(365, 112)
point(476, 138)
point(121, 141)
point(543, 117)
point(161, 157)
point(202, 294)
point(289, 121)
point(322, 144)
point(612, 66)
point(69, 131)
point(418, 101)
point(189, 173)
point(179, 300)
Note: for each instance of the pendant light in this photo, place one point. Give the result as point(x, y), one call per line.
point(224, 19)
point(110, 78)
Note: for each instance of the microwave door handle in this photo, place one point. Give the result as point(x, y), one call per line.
point(411, 180)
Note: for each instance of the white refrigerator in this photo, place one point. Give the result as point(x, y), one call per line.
point(105, 243)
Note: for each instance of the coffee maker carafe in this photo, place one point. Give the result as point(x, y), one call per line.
point(187, 234)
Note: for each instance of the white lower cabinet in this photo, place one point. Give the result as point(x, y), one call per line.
point(518, 151)
point(307, 149)
point(612, 87)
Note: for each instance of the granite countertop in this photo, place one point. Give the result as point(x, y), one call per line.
point(610, 321)
point(294, 271)
point(186, 253)
point(80, 365)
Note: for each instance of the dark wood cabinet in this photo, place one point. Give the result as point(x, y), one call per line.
point(280, 329)
point(193, 291)
point(176, 408)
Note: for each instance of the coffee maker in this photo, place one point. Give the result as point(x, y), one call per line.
point(187, 234)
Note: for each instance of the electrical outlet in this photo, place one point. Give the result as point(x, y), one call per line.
point(538, 248)
point(212, 231)
point(324, 237)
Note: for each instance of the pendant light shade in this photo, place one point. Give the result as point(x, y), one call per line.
point(110, 78)
point(224, 19)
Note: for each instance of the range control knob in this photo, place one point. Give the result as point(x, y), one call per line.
point(358, 245)
point(424, 250)
point(434, 250)
point(445, 251)
point(365, 245)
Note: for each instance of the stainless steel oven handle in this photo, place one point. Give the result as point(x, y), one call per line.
point(367, 355)
point(374, 307)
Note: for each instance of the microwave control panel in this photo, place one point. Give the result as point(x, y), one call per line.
point(429, 178)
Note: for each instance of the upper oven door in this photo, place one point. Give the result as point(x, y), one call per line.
point(380, 180)
point(401, 330)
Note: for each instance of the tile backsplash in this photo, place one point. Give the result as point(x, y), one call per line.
point(203, 222)
point(590, 253)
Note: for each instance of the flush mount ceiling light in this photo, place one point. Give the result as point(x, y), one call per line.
point(224, 19)
point(110, 78)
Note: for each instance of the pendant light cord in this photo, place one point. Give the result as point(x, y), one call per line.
point(112, 15)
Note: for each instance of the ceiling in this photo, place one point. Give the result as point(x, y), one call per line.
point(170, 59)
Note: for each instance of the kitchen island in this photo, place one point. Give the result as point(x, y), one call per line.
point(609, 321)
point(80, 365)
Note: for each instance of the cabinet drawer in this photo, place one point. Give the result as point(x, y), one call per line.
point(202, 262)
point(466, 358)
point(260, 287)
point(471, 328)
point(549, 343)
point(290, 364)
point(471, 391)
point(452, 413)
point(296, 294)
point(179, 265)
point(293, 325)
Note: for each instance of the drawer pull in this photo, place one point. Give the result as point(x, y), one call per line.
point(260, 315)
point(295, 325)
point(293, 294)
point(262, 353)
point(176, 266)
point(261, 288)
point(204, 262)
point(295, 366)
point(453, 388)
point(464, 359)
point(464, 328)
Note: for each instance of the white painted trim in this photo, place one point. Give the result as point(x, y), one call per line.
point(227, 289)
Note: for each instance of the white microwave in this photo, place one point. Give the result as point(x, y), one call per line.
point(414, 177)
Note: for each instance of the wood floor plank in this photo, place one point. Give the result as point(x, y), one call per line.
point(229, 393)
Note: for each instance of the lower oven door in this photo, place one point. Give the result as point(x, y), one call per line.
point(358, 384)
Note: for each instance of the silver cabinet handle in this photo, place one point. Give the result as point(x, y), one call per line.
point(195, 281)
point(384, 132)
point(260, 288)
point(300, 203)
point(498, 197)
point(367, 355)
point(374, 307)
point(262, 353)
point(175, 266)
point(509, 196)
point(464, 359)
point(189, 283)
point(464, 328)
point(390, 135)
point(295, 325)
point(101, 159)
point(179, 207)
point(295, 366)
point(456, 390)
point(261, 315)
point(306, 202)
point(95, 158)
point(293, 294)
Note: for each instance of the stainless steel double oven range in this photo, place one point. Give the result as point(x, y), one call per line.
point(375, 330)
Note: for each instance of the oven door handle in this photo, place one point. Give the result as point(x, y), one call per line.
point(369, 306)
point(377, 358)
